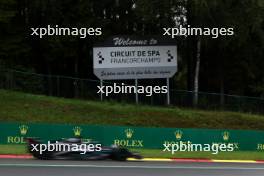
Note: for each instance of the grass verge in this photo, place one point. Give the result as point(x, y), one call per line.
point(22, 107)
point(245, 155)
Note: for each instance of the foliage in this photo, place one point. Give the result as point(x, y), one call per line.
point(233, 64)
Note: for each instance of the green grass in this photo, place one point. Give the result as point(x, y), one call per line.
point(237, 155)
point(22, 107)
point(154, 153)
point(13, 149)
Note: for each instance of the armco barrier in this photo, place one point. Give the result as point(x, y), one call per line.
point(136, 137)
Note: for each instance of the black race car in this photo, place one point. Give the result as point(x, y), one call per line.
point(75, 148)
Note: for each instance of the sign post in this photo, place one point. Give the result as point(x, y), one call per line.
point(101, 94)
point(130, 57)
point(168, 93)
point(136, 84)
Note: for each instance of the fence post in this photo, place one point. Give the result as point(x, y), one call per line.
point(50, 85)
point(76, 91)
point(58, 86)
point(136, 85)
point(10, 79)
point(168, 93)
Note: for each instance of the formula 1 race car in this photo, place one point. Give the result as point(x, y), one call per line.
point(74, 148)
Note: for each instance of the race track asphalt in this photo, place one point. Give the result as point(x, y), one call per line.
point(31, 167)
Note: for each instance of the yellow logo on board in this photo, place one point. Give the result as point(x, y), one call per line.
point(23, 129)
point(77, 131)
point(129, 133)
point(178, 134)
point(226, 135)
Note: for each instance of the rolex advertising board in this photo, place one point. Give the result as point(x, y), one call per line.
point(133, 137)
point(128, 57)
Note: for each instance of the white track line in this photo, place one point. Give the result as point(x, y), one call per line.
point(139, 167)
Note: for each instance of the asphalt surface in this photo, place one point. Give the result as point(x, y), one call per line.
point(31, 167)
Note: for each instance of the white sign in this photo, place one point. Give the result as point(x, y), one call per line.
point(135, 62)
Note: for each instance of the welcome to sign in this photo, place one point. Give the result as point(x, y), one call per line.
point(128, 57)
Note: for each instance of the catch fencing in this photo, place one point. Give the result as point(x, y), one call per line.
point(70, 87)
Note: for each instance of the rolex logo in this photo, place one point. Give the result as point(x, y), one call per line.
point(23, 129)
point(178, 134)
point(226, 135)
point(129, 133)
point(77, 131)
